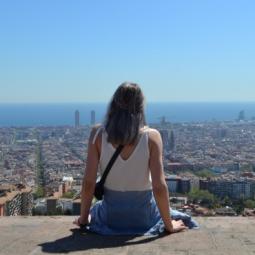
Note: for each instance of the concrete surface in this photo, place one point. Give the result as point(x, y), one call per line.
point(57, 235)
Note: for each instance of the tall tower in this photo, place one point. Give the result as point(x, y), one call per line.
point(172, 141)
point(165, 138)
point(92, 118)
point(77, 119)
point(241, 115)
point(163, 121)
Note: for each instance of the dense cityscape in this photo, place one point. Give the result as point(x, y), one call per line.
point(209, 167)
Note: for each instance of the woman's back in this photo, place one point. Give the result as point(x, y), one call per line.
point(128, 206)
point(131, 173)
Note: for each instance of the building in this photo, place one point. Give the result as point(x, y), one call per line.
point(221, 188)
point(163, 121)
point(77, 118)
point(203, 184)
point(172, 141)
point(66, 205)
point(184, 185)
point(229, 188)
point(77, 207)
point(40, 207)
point(252, 190)
point(177, 184)
point(241, 115)
point(173, 182)
point(51, 205)
point(92, 118)
point(15, 200)
point(59, 189)
point(194, 183)
point(241, 190)
point(165, 138)
point(66, 184)
point(177, 166)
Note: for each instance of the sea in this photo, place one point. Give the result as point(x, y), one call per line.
point(59, 114)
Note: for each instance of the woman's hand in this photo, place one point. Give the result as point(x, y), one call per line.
point(176, 226)
point(81, 221)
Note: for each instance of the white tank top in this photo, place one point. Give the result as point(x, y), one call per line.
point(132, 174)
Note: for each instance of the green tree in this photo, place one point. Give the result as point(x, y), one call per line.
point(226, 201)
point(39, 166)
point(238, 205)
point(246, 168)
point(69, 194)
point(249, 203)
point(204, 197)
point(39, 192)
point(205, 173)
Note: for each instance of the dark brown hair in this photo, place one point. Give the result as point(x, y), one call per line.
point(125, 114)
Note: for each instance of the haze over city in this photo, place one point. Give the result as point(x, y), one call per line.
point(60, 63)
point(63, 51)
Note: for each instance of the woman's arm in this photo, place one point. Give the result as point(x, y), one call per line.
point(89, 180)
point(159, 186)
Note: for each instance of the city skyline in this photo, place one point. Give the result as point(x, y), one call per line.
point(192, 51)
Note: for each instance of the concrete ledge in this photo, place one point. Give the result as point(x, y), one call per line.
point(57, 235)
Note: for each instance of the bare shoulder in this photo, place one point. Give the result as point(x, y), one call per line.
point(154, 138)
point(96, 129)
point(154, 134)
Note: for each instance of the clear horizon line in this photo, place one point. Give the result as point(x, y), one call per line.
point(106, 102)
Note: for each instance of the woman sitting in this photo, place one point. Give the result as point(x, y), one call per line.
point(136, 199)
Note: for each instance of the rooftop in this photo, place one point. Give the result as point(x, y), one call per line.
point(10, 191)
point(57, 235)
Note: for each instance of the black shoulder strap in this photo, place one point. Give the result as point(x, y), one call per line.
point(111, 162)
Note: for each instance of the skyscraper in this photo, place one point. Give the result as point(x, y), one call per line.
point(165, 138)
point(172, 141)
point(92, 118)
point(241, 115)
point(77, 119)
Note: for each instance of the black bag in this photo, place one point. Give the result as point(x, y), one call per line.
point(99, 188)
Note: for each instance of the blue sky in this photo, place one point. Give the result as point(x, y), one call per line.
point(80, 51)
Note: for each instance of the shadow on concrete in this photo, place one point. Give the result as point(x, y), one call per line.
point(78, 241)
